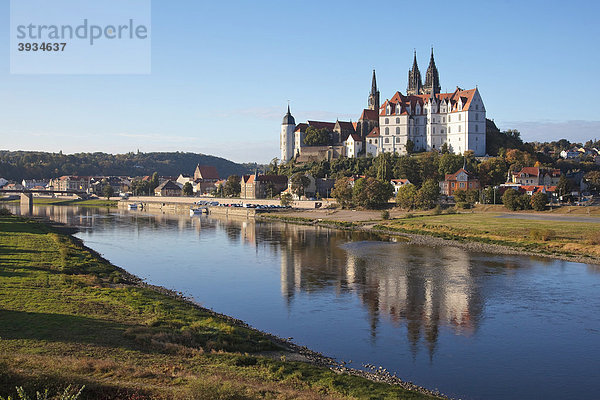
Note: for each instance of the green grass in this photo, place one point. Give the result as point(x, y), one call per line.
point(565, 238)
point(68, 317)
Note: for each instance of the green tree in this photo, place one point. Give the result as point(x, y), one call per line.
point(445, 149)
point(342, 192)
point(493, 171)
point(592, 178)
point(460, 195)
point(371, 193)
point(511, 199)
point(565, 186)
point(316, 137)
point(233, 186)
point(429, 166)
point(539, 201)
point(450, 163)
point(154, 182)
point(408, 167)
point(108, 191)
point(428, 194)
point(286, 199)
point(407, 197)
point(410, 146)
point(299, 183)
point(188, 189)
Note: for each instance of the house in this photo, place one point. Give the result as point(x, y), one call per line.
point(536, 176)
point(533, 189)
point(398, 183)
point(168, 189)
point(372, 142)
point(70, 182)
point(183, 179)
point(260, 186)
point(354, 145)
point(13, 186)
point(206, 173)
point(31, 183)
point(570, 154)
point(460, 180)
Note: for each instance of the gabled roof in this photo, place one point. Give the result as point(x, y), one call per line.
point(321, 125)
point(168, 185)
point(399, 100)
point(536, 171)
point(207, 172)
point(345, 126)
point(355, 136)
point(370, 115)
point(374, 132)
point(301, 127)
point(452, 177)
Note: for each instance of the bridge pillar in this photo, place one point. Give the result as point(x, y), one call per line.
point(27, 203)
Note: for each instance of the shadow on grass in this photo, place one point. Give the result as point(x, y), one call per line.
point(63, 328)
point(16, 225)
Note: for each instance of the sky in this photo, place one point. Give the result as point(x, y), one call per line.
point(222, 73)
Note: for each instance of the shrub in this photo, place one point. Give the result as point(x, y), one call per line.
point(451, 210)
point(5, 211)
point(538, 201)
point(385, 214)
point(464, 205)
point(542, 234)
point(437, 210)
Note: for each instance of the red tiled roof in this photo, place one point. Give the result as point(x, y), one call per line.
point(321, 125)
point(374, 132)
point(207, 172)
point(370, 115)
point(466, 96)
point(301, 127)
point(452, 177)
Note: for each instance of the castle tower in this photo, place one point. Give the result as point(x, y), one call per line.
point(286, 143)
point(374, 95)
point(414, 79)
point(432, 78)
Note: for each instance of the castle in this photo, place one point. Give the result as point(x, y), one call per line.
point(422, 120)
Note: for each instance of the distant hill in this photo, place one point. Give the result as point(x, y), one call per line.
point(18, 165)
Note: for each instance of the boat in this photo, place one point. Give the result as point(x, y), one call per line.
point(197, 211)
point(132, 206)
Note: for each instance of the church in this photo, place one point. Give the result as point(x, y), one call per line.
point(422, 120)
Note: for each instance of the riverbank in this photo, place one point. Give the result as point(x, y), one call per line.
point(69, 201)
point(555, 235)
point(67, 316)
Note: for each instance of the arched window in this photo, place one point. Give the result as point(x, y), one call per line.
point(459, 128)
point(397, 120)
point(459, 117)
point(387, 140)
point(387, 131)
point(397, 130)
point(476, 128)
point(387, 121)
point(449, 129)
point(449, 118)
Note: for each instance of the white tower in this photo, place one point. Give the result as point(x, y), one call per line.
point(287, 137)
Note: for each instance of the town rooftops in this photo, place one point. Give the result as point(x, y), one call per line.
point(264, 178)
point(369, 115)
point(374, 133)
point(536, 171)
point(206, 172)
point(168, 185)
point(459, 96)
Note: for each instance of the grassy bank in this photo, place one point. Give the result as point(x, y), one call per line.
point(67, 317)
point(72, 202)
point(567, 238)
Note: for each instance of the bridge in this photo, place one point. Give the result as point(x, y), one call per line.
point(27, 195)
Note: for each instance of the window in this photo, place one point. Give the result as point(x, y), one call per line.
point(459, 138)
point(397, 120)
point(476, 117)
point(375, 141)
point(477, 106)
point(387, 140)
point(370, 141)
point(442, 131)
point(444, 119)
point(387, 121)
point(449, 129)
point(449, 118)
point(476, 128)
point(387, 131)
point(458, 127)
point(397, 130)
point(459, 117)
point(433, 129)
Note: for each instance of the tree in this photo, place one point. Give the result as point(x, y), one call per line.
point(450, 163)
point(565, 186)
point(510, 199)
point(232, 186)
point(299, 183)
point(154, 182)
point(539, 201)
point(410, 146)
point(428, 194)
point(445, 149)
point(342, 192)
point(407, 197)
point(316, 137)
point(108, 191)
point(188, 189)
point(407, 167)
point(286, 199)
point(593, 180)
point(371, 193)
point(492, 172)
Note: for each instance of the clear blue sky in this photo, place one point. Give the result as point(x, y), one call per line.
point(222, 73)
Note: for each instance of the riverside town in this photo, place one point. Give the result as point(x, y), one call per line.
point(260, 217)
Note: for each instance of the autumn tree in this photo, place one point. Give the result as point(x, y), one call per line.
point(342, 192)
point(407, 197)
point(233, 186)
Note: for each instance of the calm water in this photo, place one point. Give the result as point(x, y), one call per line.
point(473, 325)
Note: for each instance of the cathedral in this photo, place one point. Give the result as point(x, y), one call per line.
point(422, 120)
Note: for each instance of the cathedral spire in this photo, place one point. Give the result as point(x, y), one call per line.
point(374, 95)
point(432, 78)
point(414, 78)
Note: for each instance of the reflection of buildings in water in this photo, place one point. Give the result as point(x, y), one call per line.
point(423, 288)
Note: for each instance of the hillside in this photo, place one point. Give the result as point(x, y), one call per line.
point(18, 165)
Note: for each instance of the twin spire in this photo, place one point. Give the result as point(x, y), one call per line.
point(432, 78)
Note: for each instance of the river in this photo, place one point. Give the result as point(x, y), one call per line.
point(472, 325)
